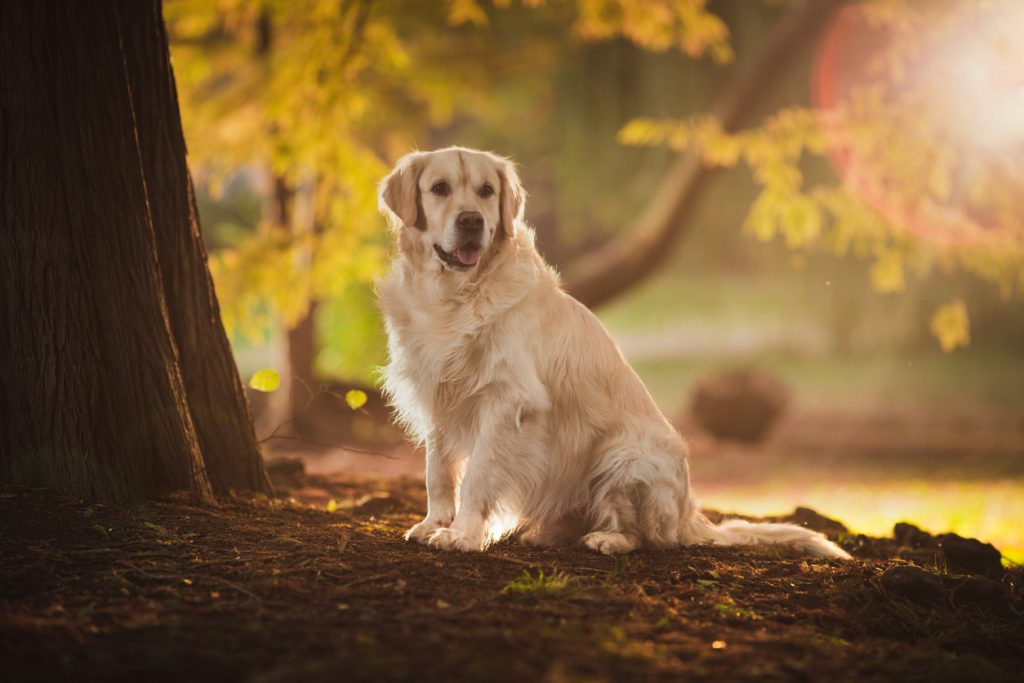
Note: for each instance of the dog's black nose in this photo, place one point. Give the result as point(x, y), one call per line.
point(470, 222)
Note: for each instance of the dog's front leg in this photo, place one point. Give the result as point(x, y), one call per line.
point(440, 490)
point(476, 492)
point(496, 473)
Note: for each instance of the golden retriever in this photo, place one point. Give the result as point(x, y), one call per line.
point(533, 421)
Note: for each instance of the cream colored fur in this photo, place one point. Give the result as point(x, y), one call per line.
point(533, 421)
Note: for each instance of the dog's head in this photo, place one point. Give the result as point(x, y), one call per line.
point(454, 204)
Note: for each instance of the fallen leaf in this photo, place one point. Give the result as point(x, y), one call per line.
point(355, 398)
point(266, 380)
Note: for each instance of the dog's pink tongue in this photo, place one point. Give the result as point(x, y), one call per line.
point(468, 256)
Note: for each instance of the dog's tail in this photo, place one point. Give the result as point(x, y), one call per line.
point(742, 532)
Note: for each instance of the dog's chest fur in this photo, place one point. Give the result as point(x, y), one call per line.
point(444, 349)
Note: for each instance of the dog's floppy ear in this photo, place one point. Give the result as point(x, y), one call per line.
point(399, 192)
point(513, 197)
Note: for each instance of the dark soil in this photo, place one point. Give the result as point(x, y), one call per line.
point(277, 590)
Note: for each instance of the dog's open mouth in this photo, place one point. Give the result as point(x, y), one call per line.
point(463, 258)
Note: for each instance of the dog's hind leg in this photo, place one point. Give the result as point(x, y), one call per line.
point(615, 523)
point(636, 496)
point(614, 492)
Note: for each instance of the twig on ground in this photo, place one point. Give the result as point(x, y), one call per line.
point(350, 584)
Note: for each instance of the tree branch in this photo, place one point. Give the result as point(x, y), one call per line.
point(603, 274)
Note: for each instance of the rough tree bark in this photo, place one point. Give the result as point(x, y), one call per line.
point(601, 275)
point(116, 378)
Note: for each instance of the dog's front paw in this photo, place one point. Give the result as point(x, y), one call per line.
point(609, 542)
point(421, 532)
point(451, 539)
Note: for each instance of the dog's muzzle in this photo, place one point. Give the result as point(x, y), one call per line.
point(469, 229)
point(463, 258)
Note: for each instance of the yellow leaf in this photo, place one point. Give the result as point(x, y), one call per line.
point(466, 12)
point(887, 273)
point(332, 505)
point(265, 380)
point(641, 132)
point(952, 326)
point(355, 398)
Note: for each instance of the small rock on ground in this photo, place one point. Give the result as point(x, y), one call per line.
point(970, 556)
point(914, 584)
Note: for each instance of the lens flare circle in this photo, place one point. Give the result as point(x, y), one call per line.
point(962, 71)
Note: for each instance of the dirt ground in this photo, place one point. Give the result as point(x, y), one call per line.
point(285, 590)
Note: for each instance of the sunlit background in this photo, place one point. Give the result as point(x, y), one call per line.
point(857, 243)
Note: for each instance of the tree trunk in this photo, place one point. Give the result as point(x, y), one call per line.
point(220, 409)
point(298, 343)
point(301, 355)
point(117, 378)
point(603, 274)
point(299, 352)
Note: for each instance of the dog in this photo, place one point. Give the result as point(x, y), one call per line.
point(533, 422)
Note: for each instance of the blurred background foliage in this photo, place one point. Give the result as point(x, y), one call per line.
point(859, 233)
point(897, 234)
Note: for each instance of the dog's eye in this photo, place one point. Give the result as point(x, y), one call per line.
point(486, 191)
point(441, 188)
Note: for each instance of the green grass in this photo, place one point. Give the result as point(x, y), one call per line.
point(541, 585)
point(678, 298)
point(833, 343)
